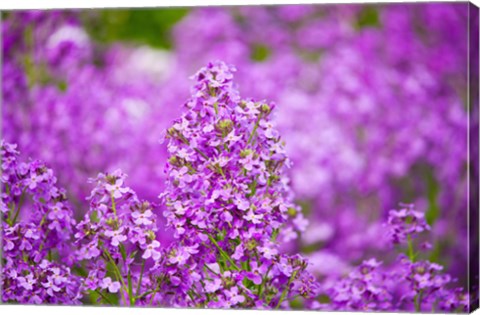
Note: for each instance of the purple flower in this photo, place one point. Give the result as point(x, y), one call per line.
point(227, 196)
point(406, 223)
point(233, 296)
point(213, 286)
point(27, 282)
point(116, 188)
point(112, 286)
point(254, 218)
point(150, 251)
point(142, 218)
point(116, 236)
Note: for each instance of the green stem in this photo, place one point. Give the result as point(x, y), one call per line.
point(10, 214)
point(222, 252)
point(130, 289)
point(285, 292)
point(114, 207)
point(144, 294)
point(118, 275)
point(154, 293)
point(16, 216)
point(202, 154)
point(411, 252)
point(29, 63)
point(253, 188)
point(254, 128)
point(104, 297)
point(17, 211)
point(190, 295)
point(264, 281)
point(418, 301)
point(220, 170)
point(140, 279)
point(211, 270)
point(196, 149)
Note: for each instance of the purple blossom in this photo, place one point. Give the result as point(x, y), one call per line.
point(116, 236)
point(406, 223)
point(112, 286)
point(150, 251)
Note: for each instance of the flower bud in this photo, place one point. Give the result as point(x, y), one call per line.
point(251, 244)
point(151, 235)
point(292, 212)
point(265, 109)
point(245, 153)
point(225, 126)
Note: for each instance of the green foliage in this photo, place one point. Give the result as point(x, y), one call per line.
point(323, 299)
point(150, 26)
point(368, 17)
point(260, 53)
point(433, 190)
point(297, 304)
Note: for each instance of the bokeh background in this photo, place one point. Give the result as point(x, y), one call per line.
point(371, 102)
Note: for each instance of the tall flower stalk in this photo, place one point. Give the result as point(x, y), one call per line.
point(228, 202)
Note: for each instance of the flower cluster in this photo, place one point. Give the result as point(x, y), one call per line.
point(229, 202)
point(36, 226)
point(407, 284)
point(116, 241)
point(406, 223)
point(428, 288)
point(45, 283)
point(364, 289)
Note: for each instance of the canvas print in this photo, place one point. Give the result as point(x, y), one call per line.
point(312, 157)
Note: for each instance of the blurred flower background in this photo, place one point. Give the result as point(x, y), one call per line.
point(371, 102)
